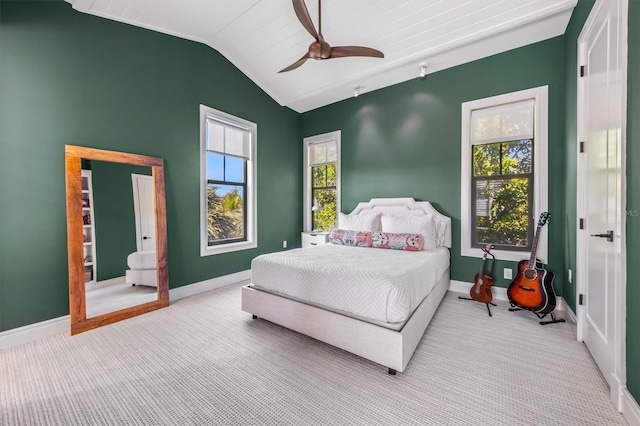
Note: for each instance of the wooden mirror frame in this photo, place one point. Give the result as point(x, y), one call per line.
point(75, 246)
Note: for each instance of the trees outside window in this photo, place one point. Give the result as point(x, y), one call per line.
point(226, 186)
point(502, 188)
point(324, 194)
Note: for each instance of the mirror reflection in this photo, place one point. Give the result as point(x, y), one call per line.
point(119, 239)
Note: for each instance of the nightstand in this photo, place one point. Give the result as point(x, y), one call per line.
point(314, 238)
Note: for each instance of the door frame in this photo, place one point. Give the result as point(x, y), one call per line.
point(619, 375)
point(136, 206)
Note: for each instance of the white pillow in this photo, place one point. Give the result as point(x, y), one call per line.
point(423, 225)
point(441, 227)
point(359, 222)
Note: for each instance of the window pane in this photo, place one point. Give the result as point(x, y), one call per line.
point(319, 176)
point(486, 159)
point(503, 122)
point(318, 153)
point(331, 175)
point(502, 212)
point(502, 158)
point(236, 142)
point(215, 136)
point(331, 152)
point(234, 168)
point(516, 157)
point(326, 217)
point(225, 205)
point(215, 166)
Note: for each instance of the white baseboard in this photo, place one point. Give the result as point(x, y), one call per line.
point(110, 281)
point(40, 330)
point(563, 306)
point(212, 284)
point(31, 332)
point(500, 293)
point(630, 407)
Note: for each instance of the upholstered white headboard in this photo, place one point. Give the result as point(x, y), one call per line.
point(404, 206)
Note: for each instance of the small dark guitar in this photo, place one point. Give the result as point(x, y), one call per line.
point(481, 290)
point(532, 288)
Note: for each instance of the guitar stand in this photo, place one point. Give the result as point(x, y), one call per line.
point(493, 264)
point(553, 320)
point(488, 308)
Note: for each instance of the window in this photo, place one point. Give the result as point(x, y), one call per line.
point(504, 173)
point(321, 181)
point(228, 188)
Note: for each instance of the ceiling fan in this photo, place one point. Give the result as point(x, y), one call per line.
point(320, 49)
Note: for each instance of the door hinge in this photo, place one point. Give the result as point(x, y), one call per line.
point(581, 70)
point(581, 223)
point(581, 146)
point(581, 299)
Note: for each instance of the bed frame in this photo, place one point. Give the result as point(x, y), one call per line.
point(390, 348)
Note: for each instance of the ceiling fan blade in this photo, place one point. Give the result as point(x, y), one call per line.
point(320, 49)
point(345, 51)
point(296, 64)
point(303, 16)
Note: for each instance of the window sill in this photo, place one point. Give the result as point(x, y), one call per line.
point(514, 256)
point(227, 248)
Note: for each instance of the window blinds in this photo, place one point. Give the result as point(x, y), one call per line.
point(321, 153)
point(502, 123)
point(227, 139)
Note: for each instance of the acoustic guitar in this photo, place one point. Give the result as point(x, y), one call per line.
point(532, 288)
point(481, 290)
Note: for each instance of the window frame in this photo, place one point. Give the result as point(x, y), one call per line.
point(540, 170)
point(307, 179)
point(250, 197)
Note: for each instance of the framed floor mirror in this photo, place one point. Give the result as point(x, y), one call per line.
point(116, 236)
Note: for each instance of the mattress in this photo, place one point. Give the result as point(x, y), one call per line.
point(377, 285)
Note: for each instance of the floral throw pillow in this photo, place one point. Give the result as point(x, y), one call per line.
point(387, 240)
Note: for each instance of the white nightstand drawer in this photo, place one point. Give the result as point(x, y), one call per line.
point(314, 238)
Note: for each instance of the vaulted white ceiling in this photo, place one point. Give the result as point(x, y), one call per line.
point(261, 37)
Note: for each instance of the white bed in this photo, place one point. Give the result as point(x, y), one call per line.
point(380, 286)
point(374, 303)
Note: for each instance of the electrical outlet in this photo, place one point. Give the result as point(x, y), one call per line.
point(508, 273)
point(284, 244)
point(570, 276)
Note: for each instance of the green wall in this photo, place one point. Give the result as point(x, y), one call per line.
point(72, 78)
point(114, 223)
point(404, 140)
point(633, 203)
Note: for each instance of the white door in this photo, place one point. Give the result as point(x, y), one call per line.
point(601, 98)
point(144, 205)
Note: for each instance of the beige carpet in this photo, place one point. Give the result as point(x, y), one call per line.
point(203, 361)
point(102, 299)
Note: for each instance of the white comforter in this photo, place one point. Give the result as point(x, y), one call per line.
point(377, 284)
